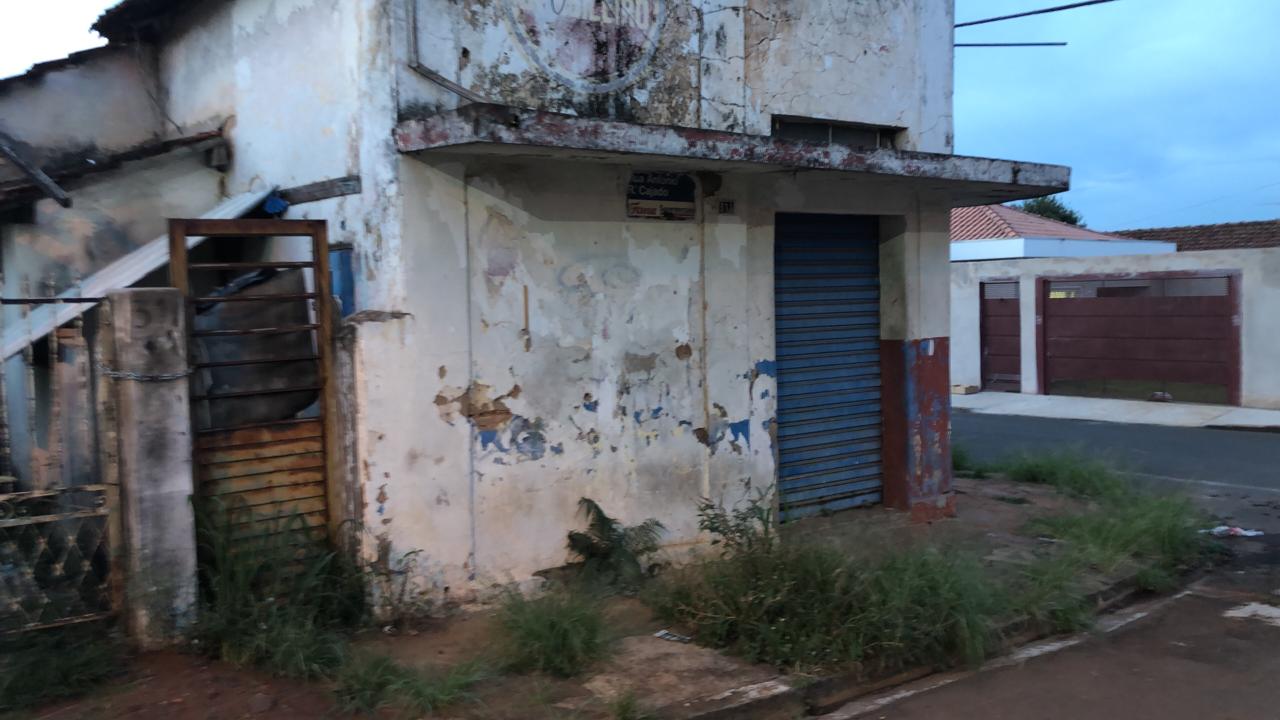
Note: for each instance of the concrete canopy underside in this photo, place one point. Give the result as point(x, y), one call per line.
point(499, 130)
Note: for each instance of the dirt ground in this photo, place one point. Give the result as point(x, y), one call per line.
point(657, 672)
point(178, 686)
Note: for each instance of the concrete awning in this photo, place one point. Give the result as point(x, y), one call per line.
point(499, 130)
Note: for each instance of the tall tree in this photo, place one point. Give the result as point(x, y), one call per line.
point(1052, 208)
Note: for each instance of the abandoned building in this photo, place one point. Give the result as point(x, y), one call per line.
point(642, 251)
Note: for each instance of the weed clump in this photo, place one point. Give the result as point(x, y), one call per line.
point(43, 665)
point(559, 633)
point(277, 601)
point(811, 606)
point(627, 707)
point(1069, 472)
point(962, 461)
point(1159, 532)
point(369, 683)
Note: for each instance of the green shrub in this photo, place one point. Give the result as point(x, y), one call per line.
point(369, 683)
point(611, 552)
point(43, 665)
point(559, 633)
point(748, 526)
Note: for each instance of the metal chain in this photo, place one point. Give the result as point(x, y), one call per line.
point(140, 377)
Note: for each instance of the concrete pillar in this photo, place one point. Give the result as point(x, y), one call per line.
point(915, 287)
point(145, 358)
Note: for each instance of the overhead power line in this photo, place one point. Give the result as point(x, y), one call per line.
point(1041, 11)
point(1013, 44)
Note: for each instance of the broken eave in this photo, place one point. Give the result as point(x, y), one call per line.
point(499, 130)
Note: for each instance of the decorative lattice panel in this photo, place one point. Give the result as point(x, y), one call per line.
point(53, 557)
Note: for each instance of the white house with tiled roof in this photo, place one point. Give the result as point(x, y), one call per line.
point(1001, 232)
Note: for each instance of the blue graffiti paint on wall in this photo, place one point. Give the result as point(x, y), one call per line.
point(741, 431)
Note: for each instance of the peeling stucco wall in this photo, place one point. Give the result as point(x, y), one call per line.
point(709, 64)
point(1259, 294)
point(548, 348)
point(302, 91)
point(48, 118)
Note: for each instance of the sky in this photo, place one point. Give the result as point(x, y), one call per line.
point(1167, 111)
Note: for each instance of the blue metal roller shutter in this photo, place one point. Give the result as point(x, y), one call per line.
point(827, 323)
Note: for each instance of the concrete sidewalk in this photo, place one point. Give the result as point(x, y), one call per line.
point(1120, 411)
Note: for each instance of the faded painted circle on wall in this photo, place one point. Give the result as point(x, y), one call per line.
point(592, 46)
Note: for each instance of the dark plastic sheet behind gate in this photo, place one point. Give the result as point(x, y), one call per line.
point(827, 305)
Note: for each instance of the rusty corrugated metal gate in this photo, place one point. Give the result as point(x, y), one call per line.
point(260, 334)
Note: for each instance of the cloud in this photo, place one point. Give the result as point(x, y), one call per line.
point(1165, 109)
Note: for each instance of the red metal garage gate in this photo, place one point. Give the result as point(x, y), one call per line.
point(1169, 337)
point(1001, 329)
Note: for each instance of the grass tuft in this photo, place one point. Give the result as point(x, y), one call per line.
point(1159, 532)
point(807, 607)
point(560, 633)
point(273, 602)
point(1070, 472)
point(43, 665)
point(369, 683)
point(1049, 594)
point(963, 461)
point(627, 707)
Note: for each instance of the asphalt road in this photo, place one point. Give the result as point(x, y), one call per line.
point(1223, 458)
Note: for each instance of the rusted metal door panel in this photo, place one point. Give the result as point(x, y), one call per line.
point(1142, 338)
point(261, 402)
point(1001, 331)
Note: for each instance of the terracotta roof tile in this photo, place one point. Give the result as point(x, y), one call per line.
point(1259, 234)
point(991, 222)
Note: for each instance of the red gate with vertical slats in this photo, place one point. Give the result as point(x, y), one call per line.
point(260, 348)
point(1001, 331)
point(1169, 337)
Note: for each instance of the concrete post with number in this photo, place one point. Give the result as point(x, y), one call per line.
point(145, 364)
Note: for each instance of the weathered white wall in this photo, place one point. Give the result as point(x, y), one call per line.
point(303, 92)
point(1260, 295)
point(98, 104)
point(697, 63)
point(543, 348)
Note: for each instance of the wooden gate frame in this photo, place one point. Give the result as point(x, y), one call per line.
point(181, 230)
